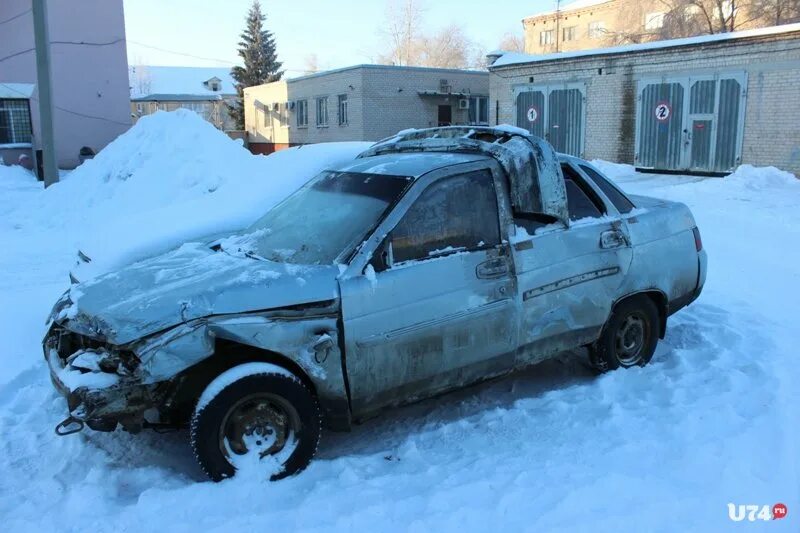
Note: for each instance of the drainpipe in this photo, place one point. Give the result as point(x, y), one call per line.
point(558, 25)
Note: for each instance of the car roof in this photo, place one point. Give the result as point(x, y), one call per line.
point(412, 164)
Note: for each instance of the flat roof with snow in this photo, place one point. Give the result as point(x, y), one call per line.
point(179, 83)
point(514, 58)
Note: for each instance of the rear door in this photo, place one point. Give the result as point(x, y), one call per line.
point(435, 309)
point(570, 276)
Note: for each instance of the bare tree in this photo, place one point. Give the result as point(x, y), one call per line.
point(407, 44)
point(511, 42)
point(401, 31)
point(447, 48)
point(139, 78)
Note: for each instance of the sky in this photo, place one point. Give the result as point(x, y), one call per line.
point(340, 33)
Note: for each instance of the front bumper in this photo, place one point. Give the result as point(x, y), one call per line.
point(101, 400)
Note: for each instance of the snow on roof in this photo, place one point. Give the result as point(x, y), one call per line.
point(516, 58)
point(572, 6)
point(146, 80)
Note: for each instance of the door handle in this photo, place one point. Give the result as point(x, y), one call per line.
point(493, 268)
point(612, 239)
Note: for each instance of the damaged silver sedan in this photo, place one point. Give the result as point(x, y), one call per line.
point(437, 259)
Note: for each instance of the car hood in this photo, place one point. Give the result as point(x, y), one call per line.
point(190, 282)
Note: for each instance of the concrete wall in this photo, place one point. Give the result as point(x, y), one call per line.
point(381, 101)
point(771, 124)
point(87, 80)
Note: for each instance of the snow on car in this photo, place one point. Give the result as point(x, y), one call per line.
point(437, 259)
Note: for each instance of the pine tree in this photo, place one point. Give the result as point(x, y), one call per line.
point(261, 65)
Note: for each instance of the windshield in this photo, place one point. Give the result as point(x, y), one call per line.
point(328, 216)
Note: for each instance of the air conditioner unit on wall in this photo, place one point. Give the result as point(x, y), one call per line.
point(463, 103)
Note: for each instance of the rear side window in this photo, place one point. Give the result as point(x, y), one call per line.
point(582, 201)
point(453, 214)
point(579, 205)
point(619, 200)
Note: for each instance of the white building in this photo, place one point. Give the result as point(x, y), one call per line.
point(205, 90)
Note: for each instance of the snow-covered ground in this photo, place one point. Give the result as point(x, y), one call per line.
point(712, 420)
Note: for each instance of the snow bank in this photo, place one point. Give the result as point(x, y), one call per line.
point(170, 179)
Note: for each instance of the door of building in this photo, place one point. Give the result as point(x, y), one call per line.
point(445, 115)
point(691, 123)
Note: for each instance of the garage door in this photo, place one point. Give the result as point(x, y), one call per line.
point(691, 123)
point(555, 113)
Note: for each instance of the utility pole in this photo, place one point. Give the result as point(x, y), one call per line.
point(42, 39)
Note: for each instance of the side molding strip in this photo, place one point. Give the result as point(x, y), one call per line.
point(568, 282)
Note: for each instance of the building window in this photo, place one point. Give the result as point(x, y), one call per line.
point(302, 113)
point(479, 110)
point(597, 29)
point(15, 121)
point(283, 114)
point(322, 112)
point(653, 21)
point(267, 116)
point(546, 37)
point(568, 33)
point(343, 110)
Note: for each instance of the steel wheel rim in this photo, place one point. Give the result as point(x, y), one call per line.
point(261, 423)
point(630, 339)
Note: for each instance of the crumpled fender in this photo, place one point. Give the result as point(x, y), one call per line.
point(311, 342)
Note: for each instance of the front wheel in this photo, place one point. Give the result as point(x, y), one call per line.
point(629, 337)
point(256, 416)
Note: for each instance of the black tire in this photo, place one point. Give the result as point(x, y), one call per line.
point(278, 387)
point(611, 351)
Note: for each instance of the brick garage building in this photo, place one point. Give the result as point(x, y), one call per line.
point(362, 103)
point(704, 104)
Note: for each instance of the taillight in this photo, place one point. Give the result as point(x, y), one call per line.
point(698, 242)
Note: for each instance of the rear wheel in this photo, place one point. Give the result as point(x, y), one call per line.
point(629, 337)
point(256, 416)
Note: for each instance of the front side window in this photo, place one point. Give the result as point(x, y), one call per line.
point(302, 113)
point(569, 33)
point(454, 214)
point(546, 37)
point(342, 109)
point(15, 121)
point(326, 218)
point(322, 112)
point(619, 200)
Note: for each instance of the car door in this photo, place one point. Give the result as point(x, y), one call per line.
point(569, 277)
point(435, 308)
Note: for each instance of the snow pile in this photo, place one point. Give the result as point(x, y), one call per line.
point(171, 178)
point(766, 179)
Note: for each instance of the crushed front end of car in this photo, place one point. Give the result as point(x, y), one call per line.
point(99, 381)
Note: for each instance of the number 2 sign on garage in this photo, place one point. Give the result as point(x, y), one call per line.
point(663, 111)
